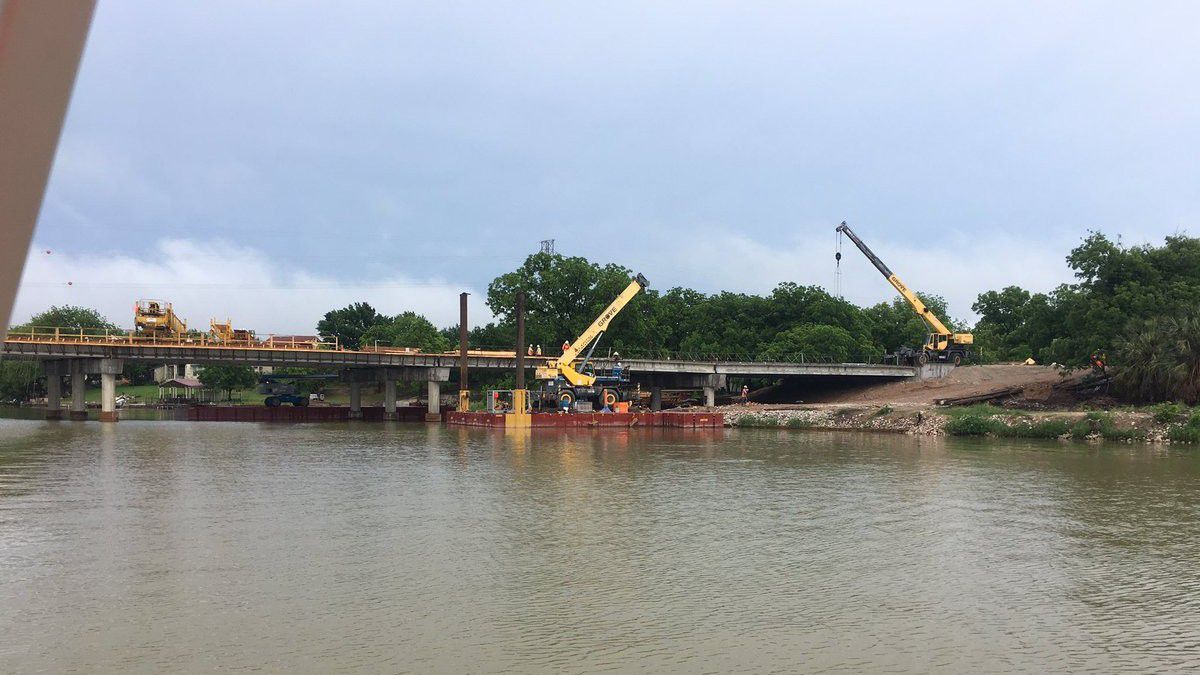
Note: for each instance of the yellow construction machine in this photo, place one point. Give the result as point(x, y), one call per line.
point(155, 318)
point(565, 383)
point(943, 344)
point(226, 333)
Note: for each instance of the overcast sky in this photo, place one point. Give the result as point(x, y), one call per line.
point(268, 161)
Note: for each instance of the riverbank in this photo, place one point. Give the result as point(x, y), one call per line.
point(1159, 424)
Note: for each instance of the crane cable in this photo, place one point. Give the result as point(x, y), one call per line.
point(837, 256)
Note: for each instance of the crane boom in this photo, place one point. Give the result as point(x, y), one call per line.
point(918, 306)
point(563, 364)
point(943, 344)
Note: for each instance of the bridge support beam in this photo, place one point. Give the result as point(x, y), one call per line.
point(78, 406)
point(389, 399)
point(355, 400)
point(108, 397)
point(710, 396)
point(434, 411)
point(53, 396)
point(656, 398)
point(109, 370)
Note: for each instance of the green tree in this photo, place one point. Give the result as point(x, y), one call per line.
point(563, 295)
point(19, 381)
point(818, 342)
point(408, 329)
point(228, 378)
point(350, 322)
point(895, 324)
point(72, 317)
point(1160, 361)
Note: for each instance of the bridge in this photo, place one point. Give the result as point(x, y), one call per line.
point(76, 354)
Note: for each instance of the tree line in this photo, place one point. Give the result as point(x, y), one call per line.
point(1135, 306)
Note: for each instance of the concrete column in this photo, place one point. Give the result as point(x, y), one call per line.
point(54, 396)
point(710, 396)
point(434, 411)
point(108, 397)
point(656, 398)
point(389, 399)
point(78, 406)
point(355, 400)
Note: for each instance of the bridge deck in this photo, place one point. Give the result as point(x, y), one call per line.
point(306, 354)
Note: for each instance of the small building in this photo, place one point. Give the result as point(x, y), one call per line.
point(184, 391)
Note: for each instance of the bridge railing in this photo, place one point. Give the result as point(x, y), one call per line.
point(115, 337)
point(726, 356)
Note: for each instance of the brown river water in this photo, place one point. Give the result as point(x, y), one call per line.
point(190, 547)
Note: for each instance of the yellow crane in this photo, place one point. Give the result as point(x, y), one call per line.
point(565, 384)
point(942, 344)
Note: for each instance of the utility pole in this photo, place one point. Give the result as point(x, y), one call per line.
point(464, 391)
point(519, 418)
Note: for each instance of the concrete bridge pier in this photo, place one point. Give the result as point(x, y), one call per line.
point(355, 400)
point(109, 370)
point(434, 410)
point(710, 396)
point(656, 398)
point(389, 399)
point(54, 382)
point(78, 405)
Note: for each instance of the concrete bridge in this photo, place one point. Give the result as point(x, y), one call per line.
point(78, 355)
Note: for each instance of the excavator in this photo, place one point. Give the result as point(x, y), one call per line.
point(943, 345)
point(565, 383)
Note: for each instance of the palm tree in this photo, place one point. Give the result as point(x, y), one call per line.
point(1160, 360)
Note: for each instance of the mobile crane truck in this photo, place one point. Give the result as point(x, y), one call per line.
point(942, 344)
point(564, 384)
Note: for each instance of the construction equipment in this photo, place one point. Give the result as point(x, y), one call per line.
point(943, 344)
point(226, 333)
point(281, 388)
point(565, 384)
point(155, 318)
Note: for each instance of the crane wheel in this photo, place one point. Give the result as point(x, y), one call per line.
point(609, 398)
point(567, 396)
point(922, 358)
point(302, 403)
point(956, 359)
point(271, 402)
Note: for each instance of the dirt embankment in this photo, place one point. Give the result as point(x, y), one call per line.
point(964, 381)
point(1037, 405)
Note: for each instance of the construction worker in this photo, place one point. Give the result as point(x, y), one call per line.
point(617, 367)
point(566, 345)
point(745, 393)
point(539, 350)
point(530, 351)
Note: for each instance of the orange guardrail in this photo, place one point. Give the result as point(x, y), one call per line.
point(54, 335)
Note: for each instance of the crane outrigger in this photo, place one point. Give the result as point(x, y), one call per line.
point(942, 344)
point(565, 383)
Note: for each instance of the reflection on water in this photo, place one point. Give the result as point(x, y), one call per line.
point(181, 546)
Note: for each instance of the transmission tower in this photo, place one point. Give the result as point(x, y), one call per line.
point(548, 246)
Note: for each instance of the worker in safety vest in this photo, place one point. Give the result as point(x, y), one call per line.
point(530, 351)
point(539, 350)
point(566, 345)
